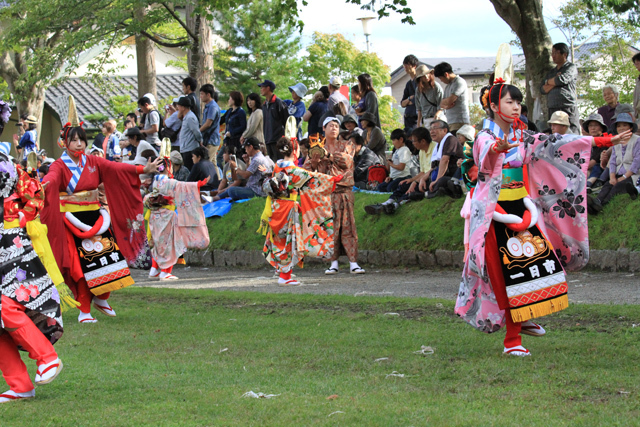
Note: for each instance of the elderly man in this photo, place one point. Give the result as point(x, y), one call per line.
point(274, 118)
point(560, 86)
point(610, 93)
point(559, 122)
point(190, 136)
point(444, 159)
point(337, 161)
point(454, 99)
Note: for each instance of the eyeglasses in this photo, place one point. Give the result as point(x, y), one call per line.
point(436, 128)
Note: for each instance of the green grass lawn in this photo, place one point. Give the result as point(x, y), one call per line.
point(162, 362)
point(421, 226)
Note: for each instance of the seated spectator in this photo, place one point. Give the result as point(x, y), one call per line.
point(304, 151)
point(134, 138)
point(610, 93)
point(411, 188)
point(399, 166)
point(203, 168)
point(524, 116)
point(259, 167)
point(444, 160)
point(373, 136)
point(231, 164)
point(180, 172)
point(350, 123)
point(559, 122)
point(594, 126)
point(362, 161)
point(624, 165)
point(42, 171)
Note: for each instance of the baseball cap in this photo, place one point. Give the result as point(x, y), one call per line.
point(252, 142)
point(335, 81)
point(268, 83)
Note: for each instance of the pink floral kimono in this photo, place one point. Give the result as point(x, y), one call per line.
point(555, 177)
point(176, 220)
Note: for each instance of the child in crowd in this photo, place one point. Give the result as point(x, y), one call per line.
point(399, 167)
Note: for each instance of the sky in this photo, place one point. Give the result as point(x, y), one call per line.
point(444, 29)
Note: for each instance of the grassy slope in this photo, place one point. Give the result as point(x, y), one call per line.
point(160, 363)
point(427, 226)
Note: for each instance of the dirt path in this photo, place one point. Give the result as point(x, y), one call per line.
point(584, 287)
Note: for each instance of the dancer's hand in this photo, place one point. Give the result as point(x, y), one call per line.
point(622, 138)
point(503, 145)
point(152, 167)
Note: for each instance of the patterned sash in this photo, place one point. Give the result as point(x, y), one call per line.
point(76, 170)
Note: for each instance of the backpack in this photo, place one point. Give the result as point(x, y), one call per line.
point(160, 125)
point(376, 174)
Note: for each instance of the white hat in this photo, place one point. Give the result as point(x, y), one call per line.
point(329, 120)
point(299, 88)
point(559, 118)
point(468, 132)
point(335, 81)
point(151, 98)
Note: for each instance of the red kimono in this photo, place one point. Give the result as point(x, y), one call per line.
point(126, 232)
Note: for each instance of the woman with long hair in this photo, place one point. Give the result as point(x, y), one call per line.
point(528, 221)
point(369, 98)
point(235, 119)
point(254, 125)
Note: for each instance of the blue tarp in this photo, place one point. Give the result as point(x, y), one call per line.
point(220, 208)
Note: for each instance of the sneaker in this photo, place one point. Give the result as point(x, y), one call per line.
point(376, 209)
point(390, 208)
point(454, 188)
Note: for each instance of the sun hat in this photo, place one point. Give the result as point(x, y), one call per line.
point(299, 88)
point(468, 132)
point(31, 119)
point(559, 118)
point(422, 70)
point(368, 116)
point(595, 117)
point(624, 118)
point(176, 158)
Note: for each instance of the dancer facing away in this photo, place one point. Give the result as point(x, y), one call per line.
point(30, 304)
point(93, 247)
point(338, 160)
point(294, 192)
point(527, 220)
point(175, 217)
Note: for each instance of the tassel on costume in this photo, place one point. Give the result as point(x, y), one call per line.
point(67, 302)
point(540, 309)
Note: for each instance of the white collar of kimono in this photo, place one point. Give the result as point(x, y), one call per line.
point(284, 163)
point(514, 153)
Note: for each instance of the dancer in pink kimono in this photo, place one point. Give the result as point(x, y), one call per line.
point(527, 221)
point(176, 221)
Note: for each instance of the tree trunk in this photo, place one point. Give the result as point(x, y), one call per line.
point(146, 61)
point(200, 54)
point(526, 20)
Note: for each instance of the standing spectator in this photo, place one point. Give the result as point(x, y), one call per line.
point(362, 161)
point(172, 125)
point(399, 166)
point(610, 93)
point(369, 98)
point(454, 101)
point(428, 95)
point(189, 85)
point(259, 168)
point(203, 168)
point(236, 121)
point(190, 136)
point(28, 141)
point(355, 99)
point(560, 86)
point(335, 97)
point(210, 127)
point(373, 136)
point(112, 143)
point(339, 161)
point(444, 158)
point(317, 109)
point(151, 125)
point(274, 117)
point(636, 91)
point(296, 107)
point(408, 102)
point(180, 173)
point(559, 122)
point(254, 125)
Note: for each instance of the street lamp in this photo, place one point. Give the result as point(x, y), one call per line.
point(366, 28)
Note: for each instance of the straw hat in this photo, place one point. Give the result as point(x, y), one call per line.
point(559, 118)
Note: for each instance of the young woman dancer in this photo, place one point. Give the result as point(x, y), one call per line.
point(527, 221)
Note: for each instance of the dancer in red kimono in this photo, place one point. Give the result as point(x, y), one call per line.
point(30, 317)
point(93, 247)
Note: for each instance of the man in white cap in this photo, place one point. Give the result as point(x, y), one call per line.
point(296, 107)
point(335, 83)
point(559, 122)
point(338, 161)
